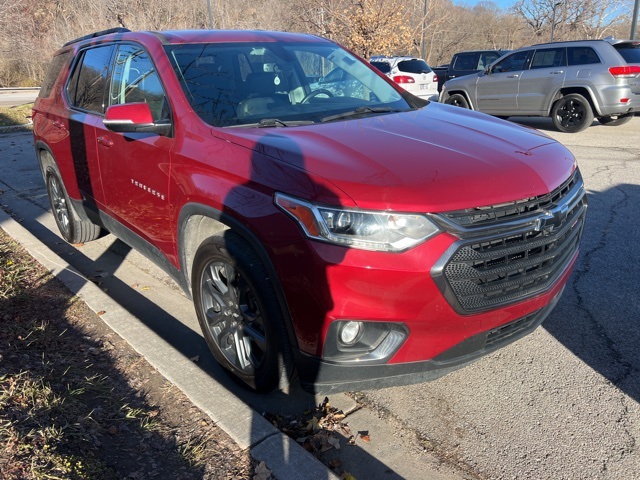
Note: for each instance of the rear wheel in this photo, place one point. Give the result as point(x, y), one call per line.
point(72, 228)
point(457, 100)
point(572, 113)
point(239, 313)
point(615, 120)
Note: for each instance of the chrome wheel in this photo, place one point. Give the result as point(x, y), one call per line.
point(233, 316)
point(59, 205)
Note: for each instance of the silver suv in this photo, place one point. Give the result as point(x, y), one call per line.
point(572, 82)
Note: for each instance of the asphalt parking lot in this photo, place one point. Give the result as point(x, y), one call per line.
point(563, 402)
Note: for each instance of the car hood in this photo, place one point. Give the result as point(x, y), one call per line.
point(433, 159)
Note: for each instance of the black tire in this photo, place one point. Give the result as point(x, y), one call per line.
point(572, 113)
point(457, 100)
point(615, 120)
point(72, 228)
point(239, 313)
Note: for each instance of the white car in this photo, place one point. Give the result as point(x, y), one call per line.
point(411, 73)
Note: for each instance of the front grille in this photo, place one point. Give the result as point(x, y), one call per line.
point(512, 251)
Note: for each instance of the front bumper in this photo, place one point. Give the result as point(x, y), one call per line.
point(319, 376)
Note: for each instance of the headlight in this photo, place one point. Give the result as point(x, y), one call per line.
point(367, 230)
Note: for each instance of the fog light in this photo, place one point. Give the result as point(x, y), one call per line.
point(349, 332)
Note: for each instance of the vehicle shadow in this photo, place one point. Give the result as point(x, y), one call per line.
point(188, 343)
point(597, 317)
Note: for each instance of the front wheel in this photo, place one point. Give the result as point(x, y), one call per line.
point(572, 113)
point(615, 120)
point(457, 100)
point(239, 313)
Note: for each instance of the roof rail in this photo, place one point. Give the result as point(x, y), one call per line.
point(97, 34)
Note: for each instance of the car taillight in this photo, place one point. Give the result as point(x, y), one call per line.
point(626, 71)
point(435, 78)
point(403, 79)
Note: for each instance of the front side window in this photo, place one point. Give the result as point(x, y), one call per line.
point(88, 83)
point(275, 83)
point(135, 79)
point(548, 58)
point(513, 63)
point(582, 56)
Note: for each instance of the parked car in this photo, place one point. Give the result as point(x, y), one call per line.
point(466, 63)
point(571, 82)
point(337, 234)
point(412, 74)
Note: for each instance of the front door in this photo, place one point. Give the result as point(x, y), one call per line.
point(497, 90)
point(135, 166)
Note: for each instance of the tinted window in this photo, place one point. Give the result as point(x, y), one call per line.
point(135, 79)
point(88, 83)
point(414, 66)
point(548, 57)
point(57, 63)
point(467, 61)
point(512, 63)
point(630, 52)
point(384, 67)
point(582, 56)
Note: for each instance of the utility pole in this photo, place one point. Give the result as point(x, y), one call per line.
point(210, 14)
point(634, 20)
point(553, 18)
point(423, 48)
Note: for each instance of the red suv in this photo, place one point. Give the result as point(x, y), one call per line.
point(339, 227)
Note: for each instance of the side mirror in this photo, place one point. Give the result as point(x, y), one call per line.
point(133, 117)
point(487, 71)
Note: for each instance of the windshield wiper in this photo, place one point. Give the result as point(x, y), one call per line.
point(274, 122)
point(361, 111)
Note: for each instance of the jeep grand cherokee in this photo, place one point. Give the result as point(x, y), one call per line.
point(343, 234)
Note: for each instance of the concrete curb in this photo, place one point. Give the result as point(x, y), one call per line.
point(284, 457)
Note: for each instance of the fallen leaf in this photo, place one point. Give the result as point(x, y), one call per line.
point(334, 442)
point(364, 435)
point(100, 313)
point(335, 463)
point(347, 476)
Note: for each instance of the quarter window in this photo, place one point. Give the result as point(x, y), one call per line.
point(86, 88)
point(135, 79)
point(582, 56)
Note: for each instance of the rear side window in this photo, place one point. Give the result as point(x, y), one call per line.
point(57, 64)
point(630, 52)
point(414, 66)
point(548, 58)
point(88, 83)
point(582, 56)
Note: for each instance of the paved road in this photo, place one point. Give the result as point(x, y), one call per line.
point(13, 97)
point(561, 403)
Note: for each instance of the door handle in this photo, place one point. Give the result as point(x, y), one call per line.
point(105, 141)
point(557, 72)
point(58, 124)
point(515, 75)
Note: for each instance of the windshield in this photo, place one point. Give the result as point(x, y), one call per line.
point(279, 84)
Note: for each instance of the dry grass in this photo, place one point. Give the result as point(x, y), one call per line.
point(19, 115)
point(76, 402)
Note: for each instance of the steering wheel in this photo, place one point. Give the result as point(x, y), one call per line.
point(315, 93)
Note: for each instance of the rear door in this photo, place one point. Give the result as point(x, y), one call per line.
point(497, 91)
point(542, 80)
